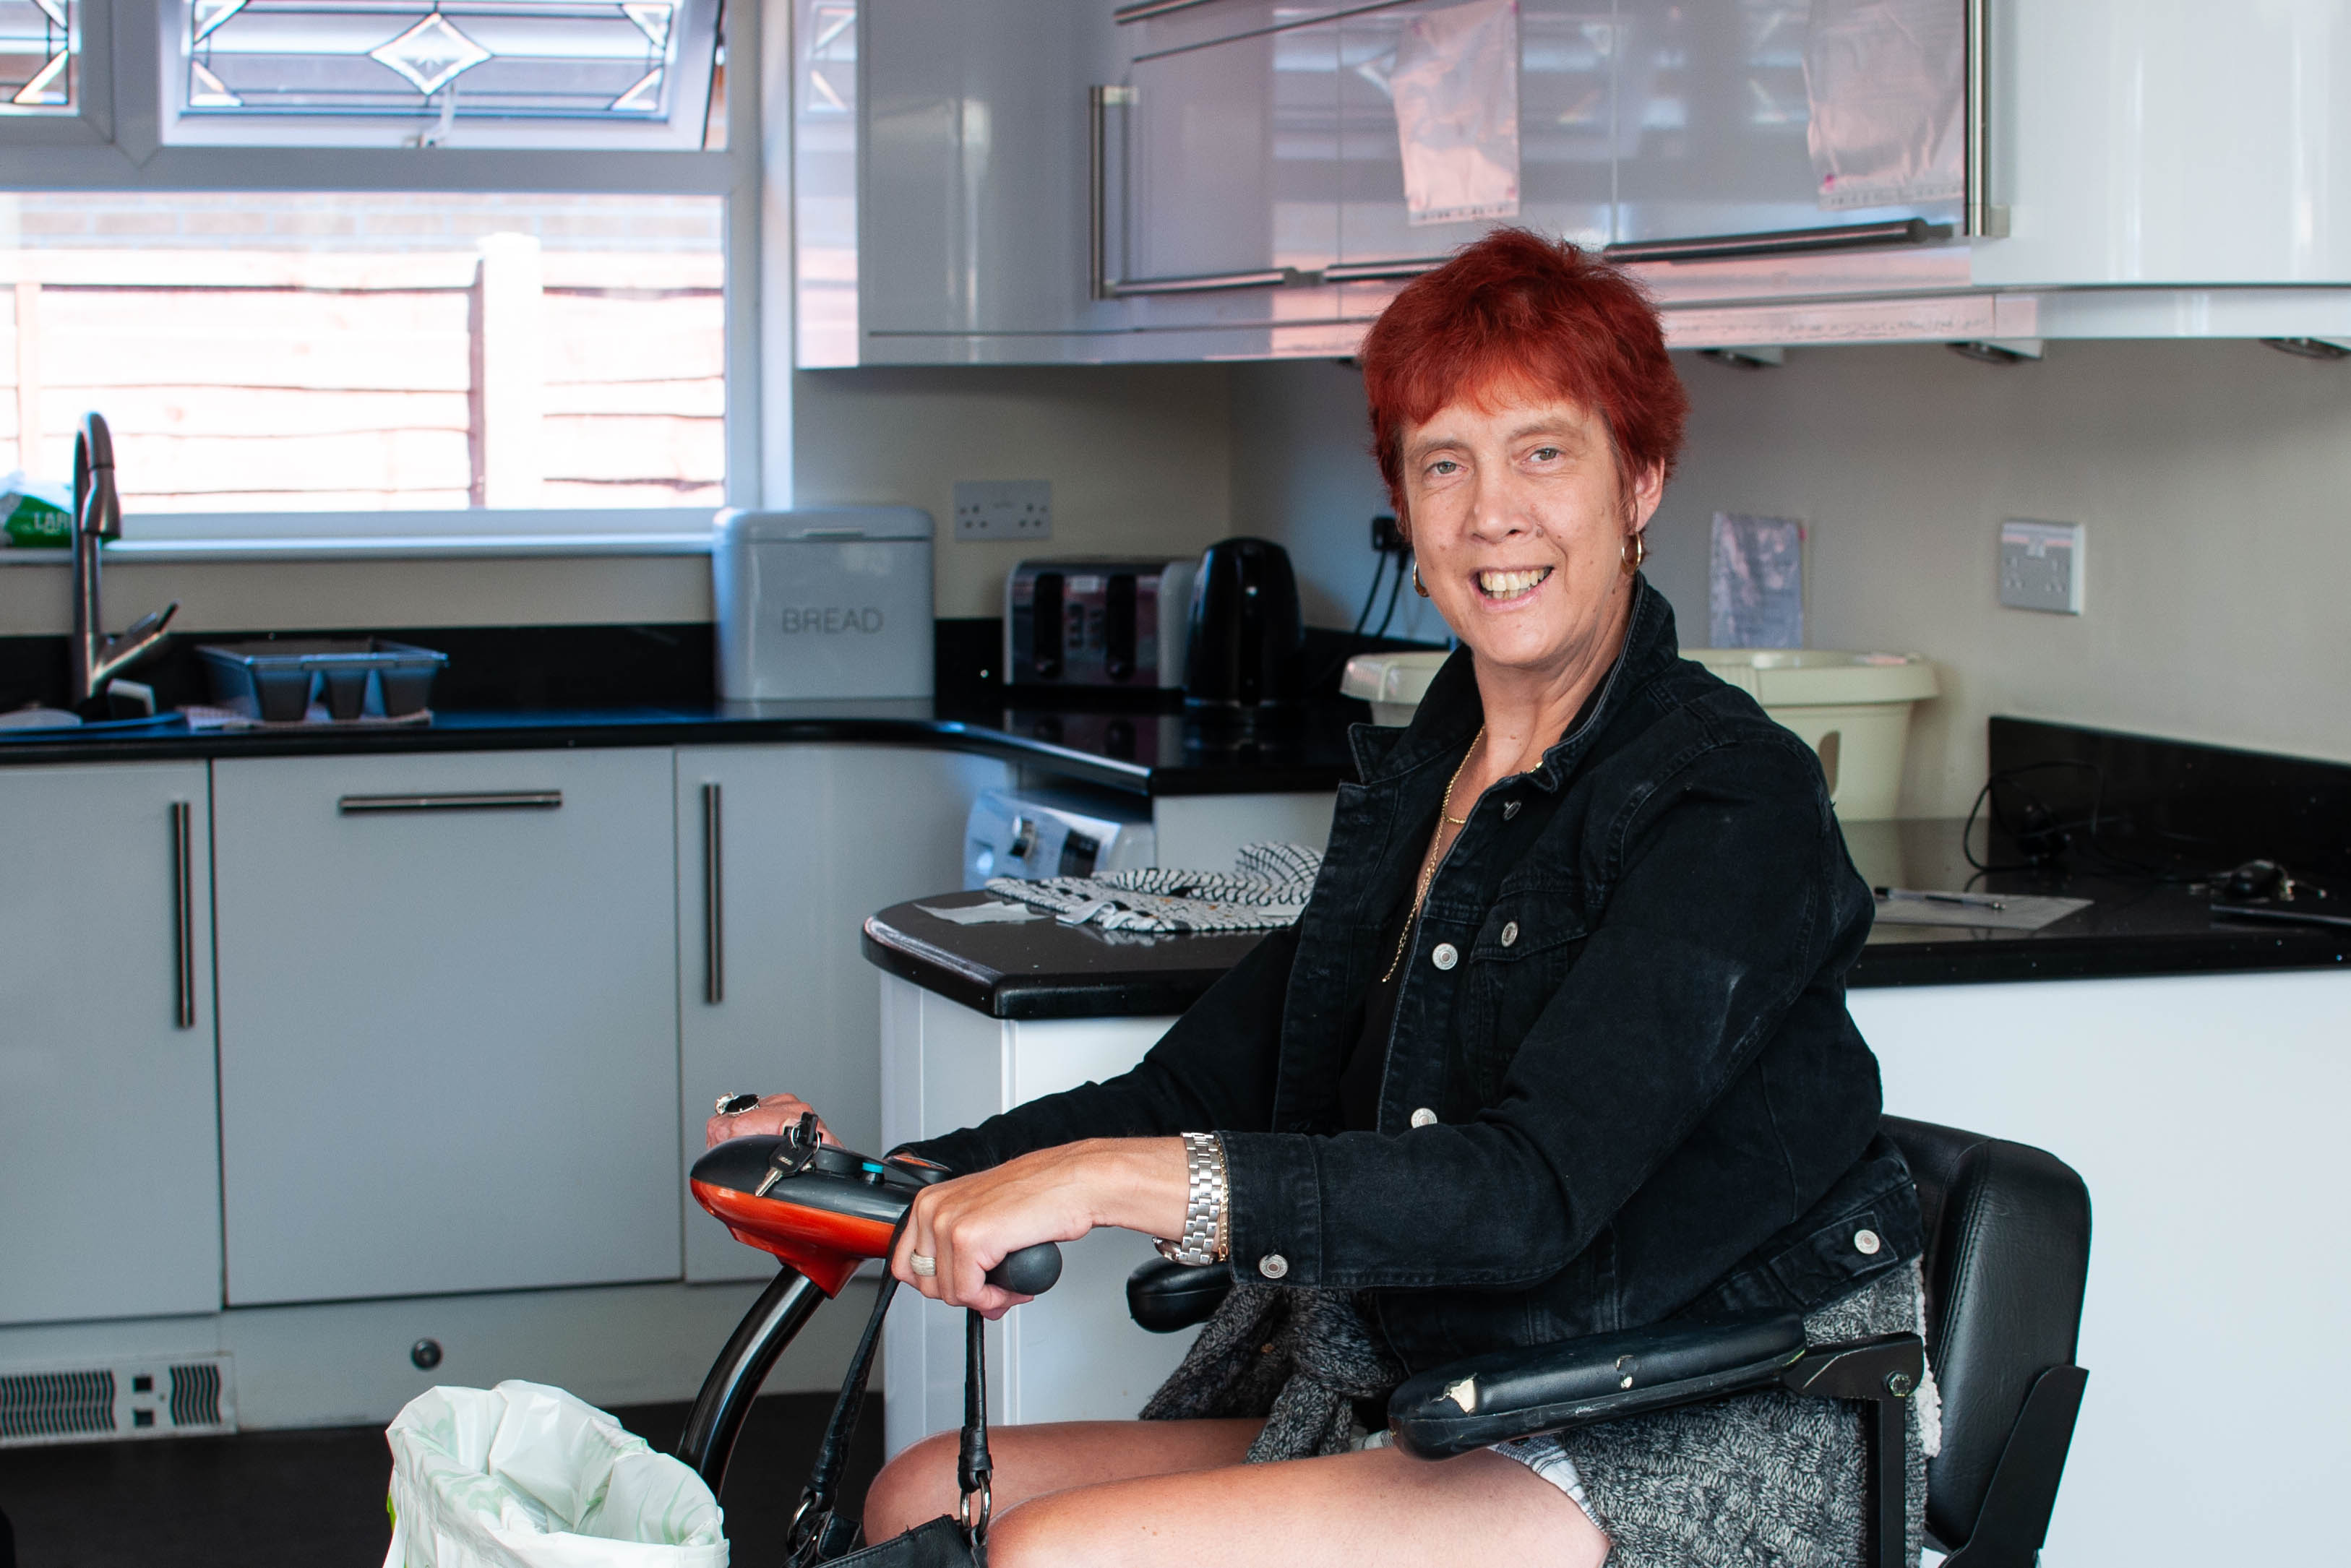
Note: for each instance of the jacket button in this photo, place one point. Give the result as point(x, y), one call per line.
point(1866, 1243)
point(1424, 1117)
point(1509, 934)
point(1510, 810)
point(1273, 1264)
point(1446, 956)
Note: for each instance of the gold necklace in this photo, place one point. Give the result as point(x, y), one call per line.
point(1428, 865)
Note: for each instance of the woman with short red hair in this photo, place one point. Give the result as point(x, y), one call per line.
point(1558, 1047)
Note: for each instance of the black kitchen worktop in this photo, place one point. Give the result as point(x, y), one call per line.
point(1172, 758)
point(1042, 969)
point(520, 689)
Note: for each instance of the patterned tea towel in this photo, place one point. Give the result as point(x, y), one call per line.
point(1266, 889)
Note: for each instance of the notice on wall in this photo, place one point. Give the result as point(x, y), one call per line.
point(1456, 85)
point(1755, 582)
point(1883, 80)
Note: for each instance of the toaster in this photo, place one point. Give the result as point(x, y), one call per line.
point(1097, 621)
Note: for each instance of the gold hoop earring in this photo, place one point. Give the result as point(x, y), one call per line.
point(1418, 586)
point(1635, 550)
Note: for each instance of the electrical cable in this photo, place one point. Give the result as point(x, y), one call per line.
point(1387, 615)
point(2052, 830)
point(1379, 571)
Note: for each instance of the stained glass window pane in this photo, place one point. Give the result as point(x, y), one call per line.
point(40, 56)
point(360, 351)
point(612, 61)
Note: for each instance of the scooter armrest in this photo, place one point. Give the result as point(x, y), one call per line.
point(1164, 1295)
point(1508, 1393)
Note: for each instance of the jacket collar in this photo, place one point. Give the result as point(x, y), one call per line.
point(1451, 712)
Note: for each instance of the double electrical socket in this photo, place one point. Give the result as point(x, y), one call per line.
point(2041, 566)
point(1004, 510)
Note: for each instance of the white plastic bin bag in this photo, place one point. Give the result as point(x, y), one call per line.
point(525, 1475)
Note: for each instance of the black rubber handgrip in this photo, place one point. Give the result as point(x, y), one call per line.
point(1030, 1272)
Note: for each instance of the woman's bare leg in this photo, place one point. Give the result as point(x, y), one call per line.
point(1369, 1509)
point(1049, 1456)
point(1144, 1494)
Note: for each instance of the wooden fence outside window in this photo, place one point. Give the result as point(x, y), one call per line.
point(506, 375)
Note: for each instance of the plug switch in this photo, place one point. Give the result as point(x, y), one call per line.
point(2041, 566)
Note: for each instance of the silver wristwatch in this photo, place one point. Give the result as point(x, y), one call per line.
point(1206, 1192)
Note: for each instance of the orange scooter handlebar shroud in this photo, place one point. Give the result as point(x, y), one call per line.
point(825, 1247)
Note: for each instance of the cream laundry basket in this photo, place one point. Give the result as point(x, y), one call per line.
point(1853, 710)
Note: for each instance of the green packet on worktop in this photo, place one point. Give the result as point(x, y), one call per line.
point(34, 515)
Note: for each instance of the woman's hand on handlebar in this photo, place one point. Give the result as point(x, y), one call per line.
point(969, 1224)
point(773, 1116)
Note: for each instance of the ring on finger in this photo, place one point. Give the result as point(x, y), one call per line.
point(924, 1266)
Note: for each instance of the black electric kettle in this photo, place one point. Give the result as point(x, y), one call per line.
point(1244, 651)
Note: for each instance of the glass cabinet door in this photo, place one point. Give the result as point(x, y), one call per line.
point(1716, 103)
point(1565, 147)
point(1228, 151)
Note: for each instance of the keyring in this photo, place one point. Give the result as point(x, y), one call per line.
point(735, 1105)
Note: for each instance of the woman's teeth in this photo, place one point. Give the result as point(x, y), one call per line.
point(1510, 584)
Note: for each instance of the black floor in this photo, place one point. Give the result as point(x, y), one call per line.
point(314, 1500)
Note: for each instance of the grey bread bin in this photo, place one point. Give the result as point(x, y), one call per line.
point(828, 602)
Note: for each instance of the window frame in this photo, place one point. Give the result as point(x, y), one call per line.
point(113, 144)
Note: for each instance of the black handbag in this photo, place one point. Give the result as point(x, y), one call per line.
point(819, 1534)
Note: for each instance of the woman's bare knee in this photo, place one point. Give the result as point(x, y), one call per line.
point(916, 1486)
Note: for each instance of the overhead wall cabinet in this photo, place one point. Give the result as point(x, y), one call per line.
point(1187, 179)
point(109, 1151)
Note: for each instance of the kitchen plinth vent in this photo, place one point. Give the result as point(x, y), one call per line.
point(161, 1398)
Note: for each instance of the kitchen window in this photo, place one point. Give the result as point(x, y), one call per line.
point(343, 269)
point(364, 352)
point(40, 45)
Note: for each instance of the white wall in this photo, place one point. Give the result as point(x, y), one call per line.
point(2211, 476)
point(1138, 456)
point(1303, 476)
point(2212, 480)
point(311, 595)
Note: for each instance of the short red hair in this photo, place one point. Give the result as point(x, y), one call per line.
point(1516, 313)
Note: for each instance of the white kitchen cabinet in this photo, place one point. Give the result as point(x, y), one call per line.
point(448, 1041)
point(2205, 1113)
point(109, 1152)
point(782, 852)
point(1224, 166)
point(2195, 142)
point(972, 122)
point(1073, 1353)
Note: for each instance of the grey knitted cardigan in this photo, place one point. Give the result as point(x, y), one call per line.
point(1763, 1478)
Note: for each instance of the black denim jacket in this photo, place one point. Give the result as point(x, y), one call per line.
point(1624, 1003)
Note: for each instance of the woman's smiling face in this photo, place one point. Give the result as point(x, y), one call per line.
point(1518, 523)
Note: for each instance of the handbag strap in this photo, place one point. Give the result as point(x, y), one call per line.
point(973, 1471)
point(816, 1534)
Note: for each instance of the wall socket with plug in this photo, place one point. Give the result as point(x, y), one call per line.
point(2041, 566)
point(1004, 510)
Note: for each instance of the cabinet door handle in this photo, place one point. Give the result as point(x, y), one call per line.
point(714, 902)
point(1779, 241)
point(1379, 271)
point(183, 917)
point(1143, 10)
point(1980, 217)
point(477, 801)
